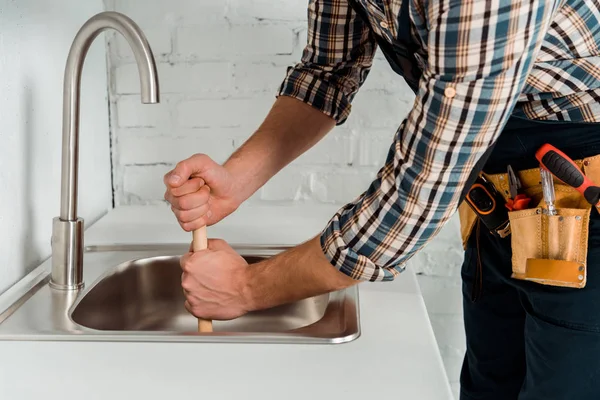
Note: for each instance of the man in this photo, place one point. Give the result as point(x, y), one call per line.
point(493, 80)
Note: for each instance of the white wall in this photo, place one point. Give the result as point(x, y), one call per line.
point(220, 63)
point(35, 36)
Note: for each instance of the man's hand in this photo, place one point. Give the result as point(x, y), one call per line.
point(219, 284)
point(213, 281)
point(201, 192)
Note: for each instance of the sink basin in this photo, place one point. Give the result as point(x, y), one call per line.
point(146, 295)
point(133, 293)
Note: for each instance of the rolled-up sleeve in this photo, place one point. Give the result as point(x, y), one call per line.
point(479, 56)
point(335, 62)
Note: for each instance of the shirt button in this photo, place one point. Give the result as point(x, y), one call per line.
point(383, 24)
point(450, 92)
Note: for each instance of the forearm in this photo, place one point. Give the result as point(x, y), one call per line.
point(314, 96)
point(295, 274)
point(291, 128)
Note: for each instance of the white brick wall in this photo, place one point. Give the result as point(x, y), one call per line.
point(205, 78)
point(220, 63)
point(247, 112)
point(198, 42)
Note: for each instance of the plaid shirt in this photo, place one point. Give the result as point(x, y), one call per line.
point(482, 61)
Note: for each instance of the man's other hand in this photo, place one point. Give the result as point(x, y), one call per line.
point(201, 192)
point(214, 282)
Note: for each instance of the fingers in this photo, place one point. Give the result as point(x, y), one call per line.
point(186, 262)
point(195, 224)
point(188, 201)
point(194, 166)
point(178, 176)
point(187, 283)
point(196, 311)
point(189, 187)
point(189, 262)
point(181, 173)
point(219, 244)
point(208, 281)
point(190, 215)
point(193, 304)
point(190, 309)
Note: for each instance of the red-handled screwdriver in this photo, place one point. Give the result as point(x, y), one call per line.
point(567, 171)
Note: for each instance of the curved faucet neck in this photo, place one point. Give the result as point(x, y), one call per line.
point(71, 93)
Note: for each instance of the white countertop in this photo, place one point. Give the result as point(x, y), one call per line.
point(396, 355)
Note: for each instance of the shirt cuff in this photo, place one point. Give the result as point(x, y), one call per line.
point(304, 85)
point(337, 248)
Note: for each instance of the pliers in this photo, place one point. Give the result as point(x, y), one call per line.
point(518, 201)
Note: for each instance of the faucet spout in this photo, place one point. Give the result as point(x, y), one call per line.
point(71, 93)
point(67, 235)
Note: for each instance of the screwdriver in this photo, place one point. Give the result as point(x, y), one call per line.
point(548, 189)
point(561, 166)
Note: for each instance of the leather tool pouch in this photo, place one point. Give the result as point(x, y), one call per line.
point(550, 250)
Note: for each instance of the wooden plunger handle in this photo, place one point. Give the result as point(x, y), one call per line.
point(200, 242)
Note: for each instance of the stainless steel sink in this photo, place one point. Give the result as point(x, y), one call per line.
point(133, 293)
point(146, 295)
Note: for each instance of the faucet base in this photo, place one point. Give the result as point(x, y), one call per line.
point(66, 287)
point(67, 254)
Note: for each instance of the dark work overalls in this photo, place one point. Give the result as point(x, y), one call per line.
point(525, 341)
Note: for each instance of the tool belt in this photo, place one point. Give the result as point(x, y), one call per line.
point(547, 249)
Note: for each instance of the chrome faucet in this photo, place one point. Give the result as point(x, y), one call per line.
point(67, 229)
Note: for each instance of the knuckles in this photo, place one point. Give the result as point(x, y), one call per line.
point(184, 203)
point(187, 284)
point(191, 308)
point(183, 216)
point(199, 158)
point(187, 226)
point(172, 200)
point(219, 243)
point(181, 167)
point(196, 311)
point(187, 266)
point(192, 225)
